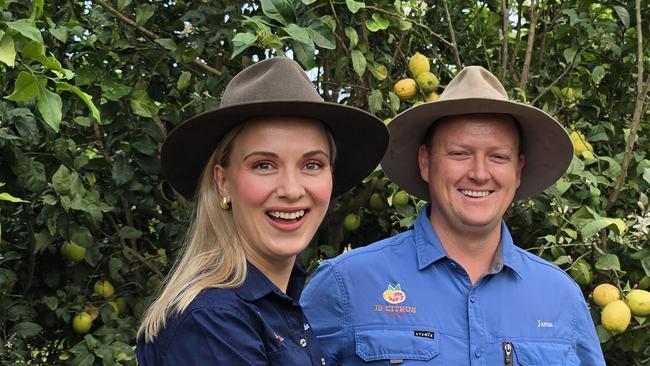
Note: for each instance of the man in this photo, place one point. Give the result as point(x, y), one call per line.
point(454, 289)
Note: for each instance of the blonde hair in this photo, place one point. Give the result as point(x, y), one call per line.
point(212, 256)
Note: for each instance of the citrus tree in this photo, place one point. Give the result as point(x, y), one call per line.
point(91, 88)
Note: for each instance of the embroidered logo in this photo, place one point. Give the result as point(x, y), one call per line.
point(394, 295)
point(424, 333)
point(543, 324)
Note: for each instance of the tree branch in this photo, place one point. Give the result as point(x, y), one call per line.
point(454, 46)
point(506, 38)
point(639, 108)
point(529, 47)
point(151, 35)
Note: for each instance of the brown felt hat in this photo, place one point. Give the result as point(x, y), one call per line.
point(276, 87)
point(546, 145)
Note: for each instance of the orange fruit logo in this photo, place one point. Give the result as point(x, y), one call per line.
point(394, 295)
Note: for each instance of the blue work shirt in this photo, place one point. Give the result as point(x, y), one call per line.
point(254, 324)
point(403, 301)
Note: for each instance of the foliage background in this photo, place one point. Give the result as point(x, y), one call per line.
point(91, 88)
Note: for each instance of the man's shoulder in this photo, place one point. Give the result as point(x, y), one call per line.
point(374, 252)
point(539, 268)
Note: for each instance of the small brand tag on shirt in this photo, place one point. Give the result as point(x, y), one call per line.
point(424, 333)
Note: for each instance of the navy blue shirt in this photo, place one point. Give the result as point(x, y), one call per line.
point(254, 324)
point(404, 301)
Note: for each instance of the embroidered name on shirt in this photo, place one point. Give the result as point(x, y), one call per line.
point(423, 333)
point(541, 324)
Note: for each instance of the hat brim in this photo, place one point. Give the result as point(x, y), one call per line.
point(360, 139)
point(547, 148)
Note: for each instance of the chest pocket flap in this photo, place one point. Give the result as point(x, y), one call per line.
point(545, 353)
point(396, 343)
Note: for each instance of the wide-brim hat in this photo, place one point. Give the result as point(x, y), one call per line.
point(546, 145)
point(276, 87)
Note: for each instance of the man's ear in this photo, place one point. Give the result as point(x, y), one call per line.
point(520, 168)
point(423, 162)
point(219, 177)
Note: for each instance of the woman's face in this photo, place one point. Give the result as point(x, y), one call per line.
point(279, 183)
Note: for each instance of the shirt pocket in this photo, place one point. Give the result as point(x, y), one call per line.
point(545, 354)
point(396, 343)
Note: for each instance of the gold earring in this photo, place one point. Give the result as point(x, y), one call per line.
point(224, 204)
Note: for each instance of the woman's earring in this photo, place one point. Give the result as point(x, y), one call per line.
point(224, 204)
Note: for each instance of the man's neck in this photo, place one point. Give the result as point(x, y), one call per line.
point(474, 250)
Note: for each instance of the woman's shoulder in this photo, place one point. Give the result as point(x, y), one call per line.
point(223, 299)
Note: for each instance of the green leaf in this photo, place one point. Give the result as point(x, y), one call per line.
point(60, 33)
point(569, 55)
point(51, 302)
point(184, 80)
point(375, 100)
point(128, 232)
point(597, 74)
point(394, 101)
point(142, 105)
point(167, 43)
point(83, 96)
point(358, 62)
point(144, 13)
point(378, 70)
point(355, 6)
point(49, 105)
point(646, 174)
point(122, 172)
point(298, 33)
point(645, 263)
point(597, 224)
point(27, 329)
point(26, 28)
point(352, 36)
point(623, 15)
point(322, 32)
point(241, 41)
point(305, 53)
point(608, 262)
point(25, 87)
point(37, 10)
point(121, 4)
point(603, 334)
point(7, 50)
point(113, 90)
point(377, 23)
point(34, 50)
point(308, 2)
point(7, 197)
point(279, 10)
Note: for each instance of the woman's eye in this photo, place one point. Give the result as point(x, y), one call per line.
point(262, 166)
point(313, 165)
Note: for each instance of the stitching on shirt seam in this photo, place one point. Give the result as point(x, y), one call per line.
point(344, 293)
point(374, 247)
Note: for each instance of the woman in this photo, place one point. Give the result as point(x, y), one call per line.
point(262, 168)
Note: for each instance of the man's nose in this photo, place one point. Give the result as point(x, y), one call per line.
point(479, 171)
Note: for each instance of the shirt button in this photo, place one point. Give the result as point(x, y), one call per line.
point(453, 265)
point(303, 342)
point(322, 361)
point(472, 299)
point(477, 353)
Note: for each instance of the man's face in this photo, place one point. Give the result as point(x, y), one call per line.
point(473, 168)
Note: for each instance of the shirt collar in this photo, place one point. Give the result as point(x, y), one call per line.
point(256, 285)
point(429, 249)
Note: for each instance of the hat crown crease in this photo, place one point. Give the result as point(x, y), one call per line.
point(474, 82)
point(284, 80)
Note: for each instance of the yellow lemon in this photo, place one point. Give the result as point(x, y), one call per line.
point(104, 289)
point(405, 88)
point(580, 144)
point(418, 63)
point(351, 222)
point(616, 316)
point(82, 323)
point(432, 97)
point(427, 81)
point(605, 293)
point(639, 302)
point(401, 198)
